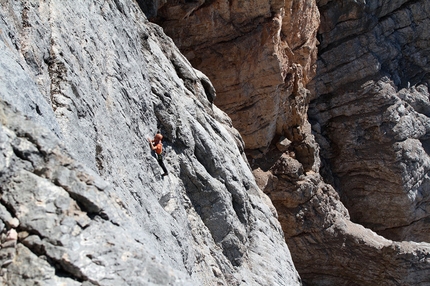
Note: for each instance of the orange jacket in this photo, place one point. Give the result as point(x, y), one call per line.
point(158, 148)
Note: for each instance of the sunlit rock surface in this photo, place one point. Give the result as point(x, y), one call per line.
point(83, 85)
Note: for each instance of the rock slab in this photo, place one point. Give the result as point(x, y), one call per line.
point(83, 85)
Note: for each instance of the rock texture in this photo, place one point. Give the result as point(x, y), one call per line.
point(83, 84)
point(69, 226)
point(380, 161)
point(258, 54)
point(327, 248)
point(369, 114)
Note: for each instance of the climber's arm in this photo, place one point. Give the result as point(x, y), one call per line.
point(151, 144)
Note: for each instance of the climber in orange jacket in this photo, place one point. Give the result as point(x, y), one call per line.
point(157, 146)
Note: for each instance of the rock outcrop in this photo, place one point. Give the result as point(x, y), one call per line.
point(82, 198)
point(84, 84)
point(372, 113)
point(258, 54)
point(369, 115)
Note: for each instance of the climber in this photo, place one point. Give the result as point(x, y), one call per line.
point(157, 146)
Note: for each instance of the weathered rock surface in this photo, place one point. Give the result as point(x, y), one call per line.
point(82, 197)
point(83, 85)
point(369, 115)
point(258, 54)
point(375, 133)
point(327, 248)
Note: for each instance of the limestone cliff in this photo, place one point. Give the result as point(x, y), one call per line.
point(351, 204)
point(83, 84)
point(376, 113)
point(257, 60)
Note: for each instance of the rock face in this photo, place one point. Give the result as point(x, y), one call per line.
point(257, 60)
point(376, 113)
point(369, 115)
point(82, 198)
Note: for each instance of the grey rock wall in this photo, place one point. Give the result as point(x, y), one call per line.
point(372, 112)
point(82, 197)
